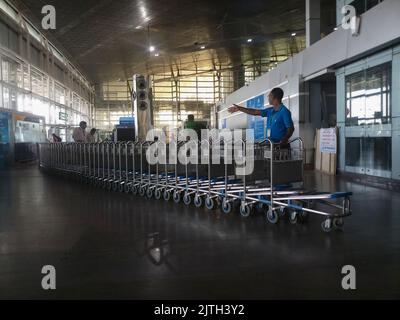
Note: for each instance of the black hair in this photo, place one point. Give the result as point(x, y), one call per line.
point(93, 131)
point(190, 117)
point(277, 93)
point(82, 122)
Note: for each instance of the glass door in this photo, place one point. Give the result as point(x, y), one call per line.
point(368, 122)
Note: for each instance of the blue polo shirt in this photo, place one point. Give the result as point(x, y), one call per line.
point(278, 122)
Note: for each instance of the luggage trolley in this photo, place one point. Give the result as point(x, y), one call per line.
point(123, 167)
point(279, 199)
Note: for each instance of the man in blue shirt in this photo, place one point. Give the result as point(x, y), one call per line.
point(279, 119)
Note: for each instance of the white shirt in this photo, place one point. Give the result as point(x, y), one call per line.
point(79, 135)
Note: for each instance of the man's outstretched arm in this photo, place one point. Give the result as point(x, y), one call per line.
point(236, 108)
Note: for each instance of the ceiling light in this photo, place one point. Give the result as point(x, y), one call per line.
point(335, 29)
point(249, 40)
point(151, 48)
point(294, 34)
point(156, 54)
point(138, 27)
point(202, 47)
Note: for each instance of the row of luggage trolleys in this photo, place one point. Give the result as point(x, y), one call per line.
point(123, 167)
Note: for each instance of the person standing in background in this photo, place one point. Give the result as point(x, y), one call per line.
point(90, 138)
point(79, 134)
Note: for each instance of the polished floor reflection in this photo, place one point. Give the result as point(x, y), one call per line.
point(111, 245)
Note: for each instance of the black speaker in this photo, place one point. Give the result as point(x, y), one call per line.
point(142, 105)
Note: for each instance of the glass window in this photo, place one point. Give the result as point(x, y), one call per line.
point(6, 98)
point(20, 76)
point(368, 96)
point(20, 102)
point(37, 82)
point(9, 71)
point(27, 79)
point(377, 153)
point(59, 94)
point(13, 99)
point(369, 153)
point(52, 114)
point(45, 86)
point(28, 103)
point(353, 152)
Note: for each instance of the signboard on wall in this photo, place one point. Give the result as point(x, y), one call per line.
point(256, 123)
point(328, 140)
point(256, 102)
point(63, 116)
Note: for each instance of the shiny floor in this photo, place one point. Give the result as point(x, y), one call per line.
point(117, 246)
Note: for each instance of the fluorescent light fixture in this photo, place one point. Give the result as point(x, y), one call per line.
point(294, 34)
point(202, 47)
point(156, 54)
point(249, 40)
point(138, 27)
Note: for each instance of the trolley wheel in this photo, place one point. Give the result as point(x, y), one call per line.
point(187, 199)
point(327, 225)
point(226, 206)
point(198, 201)
point(157, 194)
point(245, 210)
point(127, 188)
point(272, 216)
point(167, 195)
point(176, 197)
point(293, 216)
point(210, 203)
point(149, 193)
point(142, 191)
point(135, 190)
point(338, 223)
